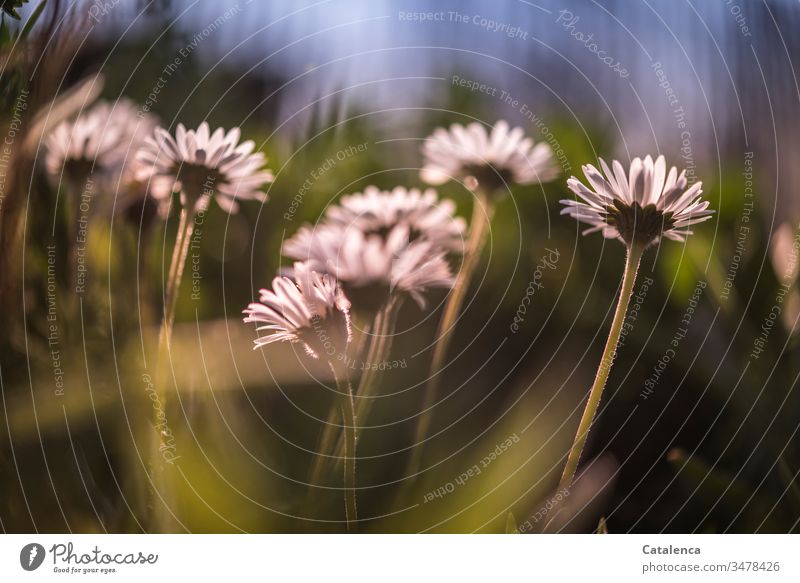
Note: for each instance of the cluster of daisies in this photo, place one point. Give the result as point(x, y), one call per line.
point(372, 245)
point(374, 248)
point(377, 246)
point(125, 151)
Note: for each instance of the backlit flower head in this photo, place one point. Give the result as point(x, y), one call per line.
point(493, 161)
point(372, 265)
point(202, 164)
point(312, 309)
point(640, 206)
point(98, 141)
point(378, 211)
point(101, 144)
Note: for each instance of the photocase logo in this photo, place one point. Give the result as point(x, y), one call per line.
point(31, 556)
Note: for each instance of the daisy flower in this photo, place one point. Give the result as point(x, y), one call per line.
point(98, 141)
point(312, 309)
point(372, 265)
point(640, 206)
point(101, 144)
point(492, 161)
point(377, 211)
point(200, 163)
point(489, 163)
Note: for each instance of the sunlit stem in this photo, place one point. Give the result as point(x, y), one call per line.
point(348, 409)
point(179, 253)
point(379, 350)
point(632, 261)
point(479, 228)
point(326, 444)
point(330, 432)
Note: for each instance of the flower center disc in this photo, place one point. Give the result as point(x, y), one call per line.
point(636, 224)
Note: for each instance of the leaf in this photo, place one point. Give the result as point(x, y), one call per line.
point(602, 526)
point(5, 35)
point(511, 524)
point(23, 34)
point(791, 480)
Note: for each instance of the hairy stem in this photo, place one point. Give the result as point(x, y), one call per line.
point(179, 254)
point(609, 352)
point(330, 432)
point(479, 228)
point(347, 405)
point(379, 350)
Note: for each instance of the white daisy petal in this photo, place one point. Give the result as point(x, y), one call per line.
point(500, 156)
point(393, 240)
point(305, 310)
point(203, 162)
point(642, 205)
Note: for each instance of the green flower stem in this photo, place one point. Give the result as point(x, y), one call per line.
point(326, 443)
point(330, 432)
point(379, 350)
point(479, 228)
point(632, 261)
point(179, 253)
point(181, 250)
point(348, 409)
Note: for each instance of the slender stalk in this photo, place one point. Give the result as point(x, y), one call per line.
point(179, 254)
point(330, 432)
point(347, 405)
point(632, 261)
point(379, 351)
point(479, 228)
point(327, 443)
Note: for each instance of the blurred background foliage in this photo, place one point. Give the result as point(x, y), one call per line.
point(714, 448)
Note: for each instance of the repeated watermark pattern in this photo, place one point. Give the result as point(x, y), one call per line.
point(552, 503)
point(634, 308)
point(507, 29)
point(166, 447)
point(548, 261)
point(82, 237)
point(14, 127)
point(743, 229)
point(475, 470)
point(680, 334)
point(182, 55)
point(679, 114)
point(570, 21)
point(785, 284)
point(53, 330)
point(321, 170)
point(517, 104)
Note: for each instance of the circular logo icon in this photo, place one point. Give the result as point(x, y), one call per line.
point(31, 556)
